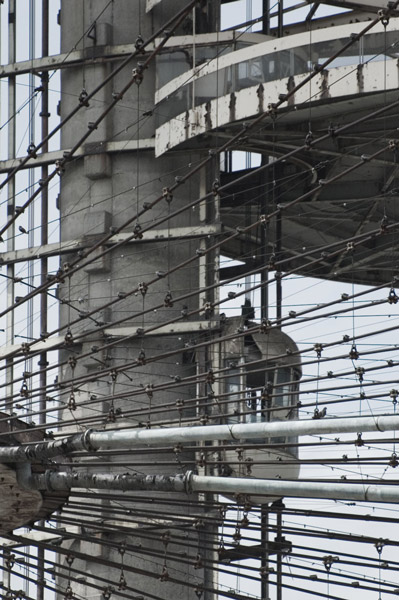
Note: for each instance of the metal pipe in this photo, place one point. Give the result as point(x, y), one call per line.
point(127, 438)
point(239, 431)
point(190, 483)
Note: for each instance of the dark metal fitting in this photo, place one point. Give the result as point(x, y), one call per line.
point(354, 354)
point(167, 195)
point(72, 361)
point(168, 300)
point(319, 414)
point(360, 372)
point(272, 110)
point(384, 224)
point(379, 545)
point(282, 97)
point(383, 15)
point(332, 130)
point(72, 401)
point(143, 288)
point(59, 167)
point(359, 441)
point(139, 43)
point(393, 145)
point(215, 187)
point(68, 337)
point(164, 576)
point(210, 377)
point(264, 220)
point(138, 73)
point(92, 125)
point(137, 232)
point(200, 252)
point(208, 309)
point(354, 37)
point(25, 348)
point(32, 150)
point(265, 326)
point(83, 98)
point(318, 348)
point(392, 297)
point(365, 158)
point(317, 67)
point(350, 246)
point(141, 358)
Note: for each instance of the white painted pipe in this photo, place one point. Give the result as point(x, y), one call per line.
point(294, 489)
point(127, 438)
point(240, 431)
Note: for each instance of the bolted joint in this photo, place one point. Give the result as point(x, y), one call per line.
point(83, 98)
point(138, 73)
point(32, 150)
point(167, 195)
point(142, 288)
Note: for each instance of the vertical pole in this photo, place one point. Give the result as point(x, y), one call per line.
point(264, 274)
point(248, 16)
point(279, 291)
point(279, 562)
point(266, 17)
point(280, 18)
point(264, 540)
point(44, 114)
point(10, 202)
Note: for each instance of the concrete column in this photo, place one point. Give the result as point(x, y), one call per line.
point(103, 190)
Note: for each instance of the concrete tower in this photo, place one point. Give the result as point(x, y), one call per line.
point(117, 181)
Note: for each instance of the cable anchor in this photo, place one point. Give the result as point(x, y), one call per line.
point(167, 195)
point(83, 98)
point(138, 73)
point(168, 300)
point(143, 288)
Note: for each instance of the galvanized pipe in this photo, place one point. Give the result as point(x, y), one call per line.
point(240, 431)
point(119, 439)
point(190, 483)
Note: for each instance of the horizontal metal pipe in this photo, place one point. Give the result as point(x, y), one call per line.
point(190, 483)
point(240, 431)
point(128, 438)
